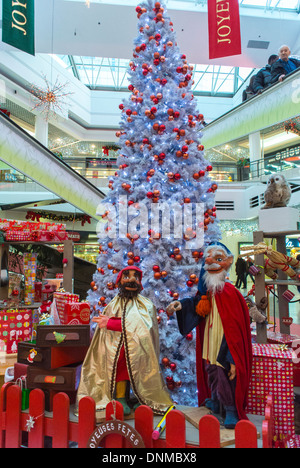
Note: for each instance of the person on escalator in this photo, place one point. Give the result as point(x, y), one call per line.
point(284, 65)
point(263, 77)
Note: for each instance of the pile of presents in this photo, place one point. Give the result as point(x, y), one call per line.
point(276, 372)
point(51, 347)
point(17, 231)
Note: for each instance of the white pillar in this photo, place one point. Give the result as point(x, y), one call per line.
point(255, 147)
point(41, 130)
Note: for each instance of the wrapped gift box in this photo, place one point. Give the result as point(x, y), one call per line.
point(16, 324)
point(62, 335)
point(292, 341)
point(30, 266)
point(281, 338)
point(62, 379)
point(288, 295)
point(63, 298)
point(76, 313)
point(272, 374)
point(38, 285)
point(51, 357)
point(20, 370)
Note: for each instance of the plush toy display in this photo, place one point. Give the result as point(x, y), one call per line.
point(125, 351)
point(224, 351)
point(275, 260)
point(257, 311)
point(278, 192)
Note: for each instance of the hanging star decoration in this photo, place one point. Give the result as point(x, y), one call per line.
point(51, 98)
point(30, 423)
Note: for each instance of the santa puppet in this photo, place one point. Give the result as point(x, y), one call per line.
point(125, 351)
point(223, 351)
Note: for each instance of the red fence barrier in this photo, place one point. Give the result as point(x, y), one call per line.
point(60, 427)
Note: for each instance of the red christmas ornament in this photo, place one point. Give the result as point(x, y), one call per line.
point(189, 336)
point(156, 268)
point(165, 361)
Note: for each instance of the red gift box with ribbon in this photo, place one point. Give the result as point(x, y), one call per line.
point(76, 313)
point(61, 299)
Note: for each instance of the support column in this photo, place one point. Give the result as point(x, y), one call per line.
point(69, 269)
point(255, 147)
point(261, 328)
point(41, 130)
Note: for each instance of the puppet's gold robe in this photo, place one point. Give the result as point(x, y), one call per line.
point(140, 338)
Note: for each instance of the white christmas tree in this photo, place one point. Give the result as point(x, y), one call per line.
point(161, 197)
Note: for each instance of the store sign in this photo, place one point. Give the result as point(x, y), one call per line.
point(74, 236)
point(100, 163)
point(18, 24)
point(224, 28)
point(292, 243)
point(291, 154)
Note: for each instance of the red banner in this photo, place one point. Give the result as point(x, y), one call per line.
point(224, 28)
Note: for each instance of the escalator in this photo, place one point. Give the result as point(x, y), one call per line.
point(27, 155)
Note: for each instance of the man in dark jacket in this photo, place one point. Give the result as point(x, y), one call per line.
point(263, 77)
point(284, 65)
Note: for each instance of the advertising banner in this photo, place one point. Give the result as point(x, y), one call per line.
point(18, 24)
point(224, 28)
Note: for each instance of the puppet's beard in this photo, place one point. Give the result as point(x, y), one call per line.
point(123, 292)
point(215, 282)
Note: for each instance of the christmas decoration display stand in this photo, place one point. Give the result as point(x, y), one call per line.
point(63, 428)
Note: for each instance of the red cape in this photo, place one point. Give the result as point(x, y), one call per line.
point(235, 319)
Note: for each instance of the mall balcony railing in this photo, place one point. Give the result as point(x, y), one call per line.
point(222, 171)
point(276, 104)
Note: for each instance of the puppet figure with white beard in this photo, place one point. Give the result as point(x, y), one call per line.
point(224, 351)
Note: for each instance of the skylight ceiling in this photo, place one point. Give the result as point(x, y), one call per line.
point(111, 73)
point(266, 4)
point(211, 79)
point(292, 5)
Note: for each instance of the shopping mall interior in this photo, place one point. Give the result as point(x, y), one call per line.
point(58, 156)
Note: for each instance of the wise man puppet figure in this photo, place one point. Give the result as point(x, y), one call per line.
point(123, 358)
point(223, 340)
